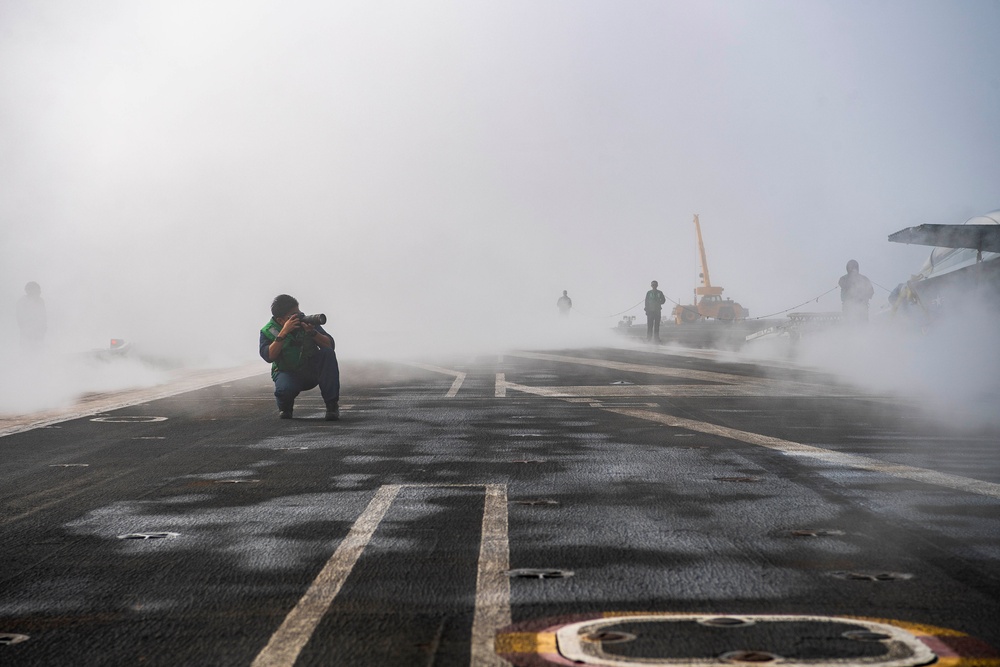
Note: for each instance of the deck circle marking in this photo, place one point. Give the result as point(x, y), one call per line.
point(902, 648)
point(128, 419)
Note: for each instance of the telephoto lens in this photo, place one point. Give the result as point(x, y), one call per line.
point(319, 318)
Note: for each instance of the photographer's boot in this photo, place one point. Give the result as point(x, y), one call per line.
point(332, 411)
point(285, 411)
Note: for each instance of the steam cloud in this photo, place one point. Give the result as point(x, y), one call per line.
point(433, 175)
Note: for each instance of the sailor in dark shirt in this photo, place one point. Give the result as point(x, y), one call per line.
point(654, 303)
point(302, 356)
point(855, 293)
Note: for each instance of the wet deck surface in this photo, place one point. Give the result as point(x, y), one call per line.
point(654, 483)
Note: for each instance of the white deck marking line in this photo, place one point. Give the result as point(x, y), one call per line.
point(501, 390)
point(291, 637)
point(492, 583)
point(956, 482)
point(492, 605)
point(707, 376)
point(65, 492)
point(677, 390)
point(455, 386)
point(86, 407)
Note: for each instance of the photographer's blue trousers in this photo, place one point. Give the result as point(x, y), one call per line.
point(322, 369)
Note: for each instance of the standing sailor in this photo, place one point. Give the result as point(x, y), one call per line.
point(654, 303)
point(565, 304)
point(855, 293)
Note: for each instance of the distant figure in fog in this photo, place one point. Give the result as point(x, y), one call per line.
point(31, 318)
point(855, 293)
point(302, 356)
point(565, 304)
point(654, 303)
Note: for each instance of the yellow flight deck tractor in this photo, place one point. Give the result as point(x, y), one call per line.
point(711, 305)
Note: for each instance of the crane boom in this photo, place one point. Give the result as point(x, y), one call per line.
point(710, 305)
point(706, 282)
point(708, 301)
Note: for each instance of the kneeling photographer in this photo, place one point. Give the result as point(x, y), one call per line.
point(302, 356)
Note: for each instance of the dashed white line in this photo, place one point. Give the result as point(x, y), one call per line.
point(455, 386)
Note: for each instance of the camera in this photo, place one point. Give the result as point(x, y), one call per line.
point(314, 320)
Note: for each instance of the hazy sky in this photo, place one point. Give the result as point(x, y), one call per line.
point(439, 168)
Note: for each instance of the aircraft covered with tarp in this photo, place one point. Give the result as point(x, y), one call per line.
point(964, 265)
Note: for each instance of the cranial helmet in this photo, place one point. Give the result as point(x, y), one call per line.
point(852, 265)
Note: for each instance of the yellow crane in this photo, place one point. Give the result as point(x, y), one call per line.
point(711, 304)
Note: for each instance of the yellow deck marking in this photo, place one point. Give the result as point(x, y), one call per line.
point(458, 375)
point(492, 604)
point(926, 644)
point(956, 482)
point(527, 642)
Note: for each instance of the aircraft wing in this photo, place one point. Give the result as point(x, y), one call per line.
point(977, 237)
